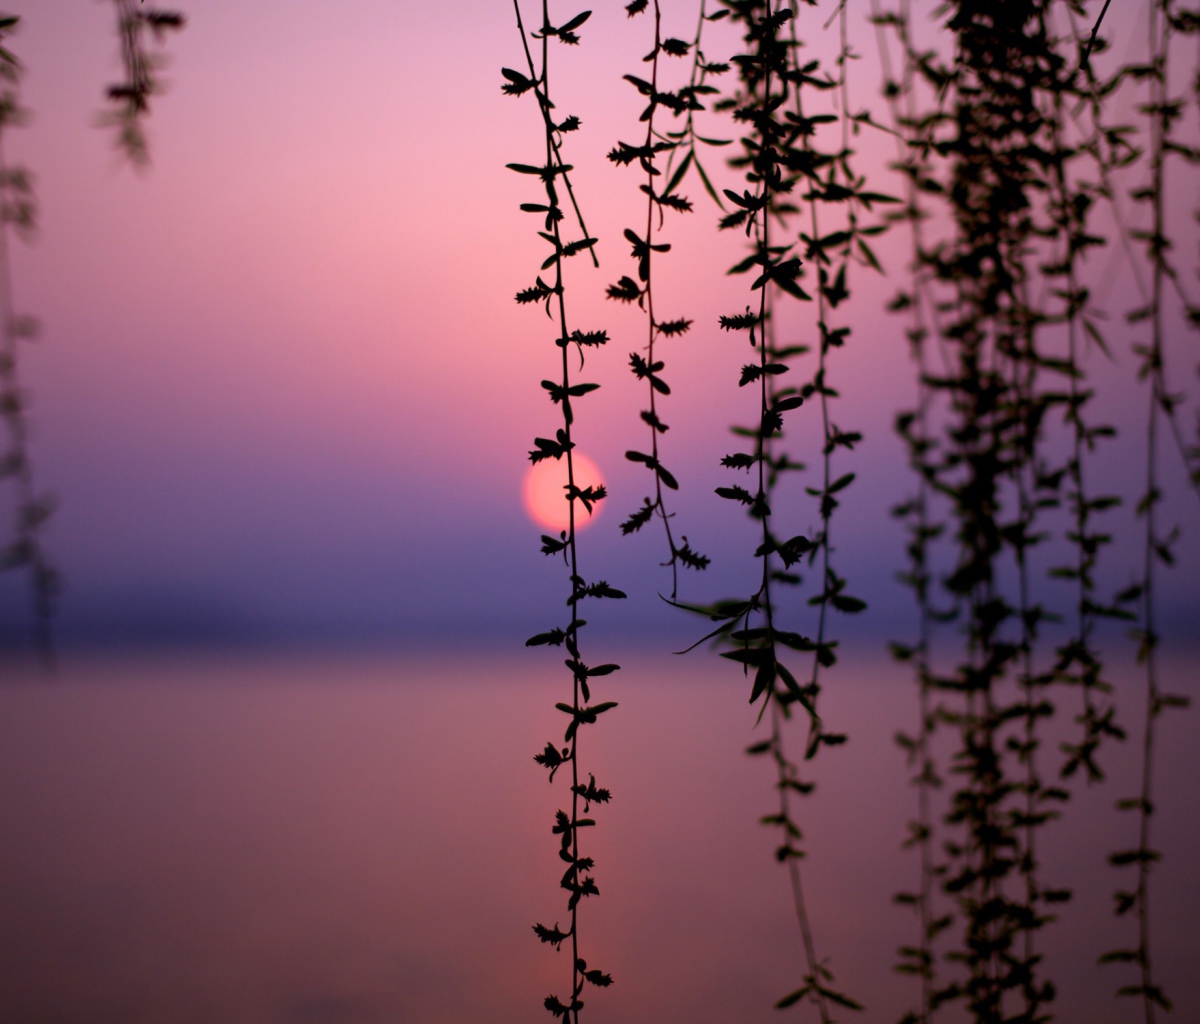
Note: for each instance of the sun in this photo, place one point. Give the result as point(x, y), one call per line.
point(545, 494)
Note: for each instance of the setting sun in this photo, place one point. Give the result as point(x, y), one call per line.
point(545, 496)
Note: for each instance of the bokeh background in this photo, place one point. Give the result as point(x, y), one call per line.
point(284, 399)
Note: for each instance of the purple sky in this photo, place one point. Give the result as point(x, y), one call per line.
point(282, 387)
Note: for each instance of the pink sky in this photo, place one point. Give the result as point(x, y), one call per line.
point(281, 373)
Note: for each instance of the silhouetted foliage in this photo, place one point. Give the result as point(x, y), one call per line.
point(1006, 160)
point(659, 198)
point(131, 98)
point(26, 550)
point(578, 879)
point(18, 209)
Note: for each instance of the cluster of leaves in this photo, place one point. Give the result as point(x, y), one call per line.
point(1163, 111)
point(998, 142)
point(687, 102)
point(783, 169)
point(130, 99)
point(1006, 80)
point(578, 879)
point(915, 429)
point(659, 198)
point(1000, 440)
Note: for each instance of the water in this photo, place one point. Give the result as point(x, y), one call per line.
point(351, 840)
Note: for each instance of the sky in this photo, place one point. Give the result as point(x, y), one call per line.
point(282, 393)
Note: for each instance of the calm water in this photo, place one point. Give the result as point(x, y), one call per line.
point(353, 840)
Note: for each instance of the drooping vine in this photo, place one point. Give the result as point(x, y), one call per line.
point(1003, 170)
point(578, 878)
point(658, 199)
point(831, 183)
point(1162, 111)
point(130, 99)
point(685, 153)
point(1022, 174)
point(1079, 662)
point(995, 124)
point(18, 213)
point(778, 156)
point(916, 430)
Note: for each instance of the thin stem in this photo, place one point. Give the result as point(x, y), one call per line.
point(544, 101)
point(1158, 86)
point(916, 433)
point(576, 880)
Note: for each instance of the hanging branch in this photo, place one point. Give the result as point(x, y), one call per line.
point(999, 135)
point(832, 183)
point(777, 155)
point(1079, 660)
point(687, 139)
point(1161, 112)
point(650, 368)
point(131, 98)
point(913, 426)
point(18, 210)
point(1119, 152)
point(578, 879)
point(766, 84)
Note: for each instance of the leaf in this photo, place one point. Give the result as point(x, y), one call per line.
point(792, 998)
point(625, 290)
point(691, 559)
point(638, 519)
point(826, 655)
point(736, 494)
point(575, 22)
point(591, 338)
point(839, 998)
point(708, 186)
point(555, 937)
point(841, 483)
point(552, 545)
point(573, 248)
point(653, 463)
point(552, 759)
point(739, 461)
point(674, 327)
point(738, 322)
point(599, 589)
point(517, 82)
point(680, 171)
point(763, 678)
point(849, 605)
point(869, 255)
point(555, 1007)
